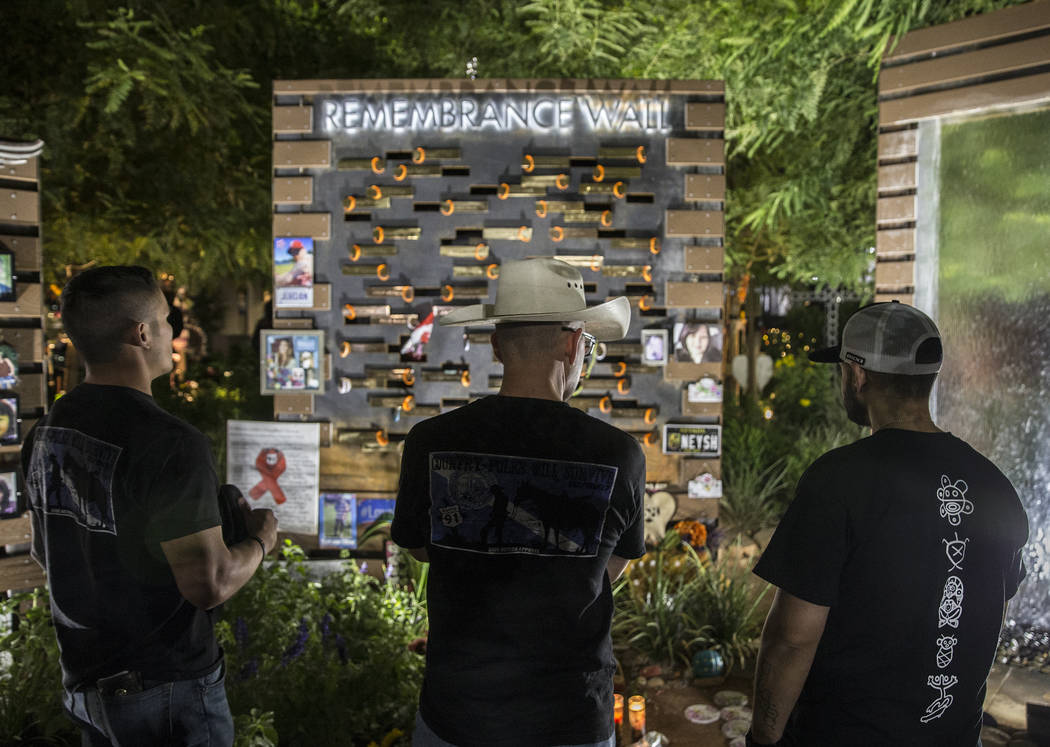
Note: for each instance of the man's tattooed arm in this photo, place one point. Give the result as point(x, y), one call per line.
point(789, 643)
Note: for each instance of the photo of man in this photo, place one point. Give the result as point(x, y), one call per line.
point(293, 272)
point(337, 520)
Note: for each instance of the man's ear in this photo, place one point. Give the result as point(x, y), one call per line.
point(572, 348)
point(495, 347)
point(138, 335)
point(859, 378)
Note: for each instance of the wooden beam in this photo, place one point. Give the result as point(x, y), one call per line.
point(900, 144)
point(293, 120)
point(19, 206)
point(1026, 90)
point(953, 69)
point(894, 274)
point(693, 295)
point(897, 177)
point(985, 27)
point(895, 209)
point(314, 225)
point(616, 86)
point(293, 190)
point(694, 223)
point(690, 151)
point(704, 259)
point(705, 187)
point(302, 154)
point(894, 242)
point(704, 116)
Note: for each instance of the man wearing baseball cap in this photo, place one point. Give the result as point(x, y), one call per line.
point(527, 510)
point(893, 564)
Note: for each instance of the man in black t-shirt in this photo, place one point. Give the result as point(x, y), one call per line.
point(124, 502)
point(893, 564)
point(527, 510)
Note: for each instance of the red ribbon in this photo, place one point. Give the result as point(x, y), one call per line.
point(270, 473)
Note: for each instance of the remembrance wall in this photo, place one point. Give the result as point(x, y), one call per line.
point(394, 201)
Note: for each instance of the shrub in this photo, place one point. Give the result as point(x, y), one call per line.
point(329, 657)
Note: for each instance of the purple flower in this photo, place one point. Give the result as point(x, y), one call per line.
point(326, 630)
point(249, 670)
point(340, 645)
point(240, 632)
point(364, 567)
point(294, 651)
point(714, 536)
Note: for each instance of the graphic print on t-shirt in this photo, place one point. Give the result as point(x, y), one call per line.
point(71, 474)
point(953, 506)
point(495, 504)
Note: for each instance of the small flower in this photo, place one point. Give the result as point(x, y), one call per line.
point(805, 402)
point(294, 651)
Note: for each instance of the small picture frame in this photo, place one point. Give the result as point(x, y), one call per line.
point(7, 274)
point(8, 366)
point(292, 360)
point(654, 347)
point(293, 273)
point(10, 507)
point(10, 425)
point(337, 520)
point(697, 342)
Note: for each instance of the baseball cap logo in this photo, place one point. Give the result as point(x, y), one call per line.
point(859, 360)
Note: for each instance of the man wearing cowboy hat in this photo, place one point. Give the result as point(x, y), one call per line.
point(519, 651)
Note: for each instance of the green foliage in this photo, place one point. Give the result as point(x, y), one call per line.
point(583, 37)
point(751, 493)
point(30, 675)
point(672, 602)
point(327, 656)
point(728, 607)
point(255, 729)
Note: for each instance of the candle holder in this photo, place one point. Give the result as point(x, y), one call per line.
point(617, 709)
point(636, 715)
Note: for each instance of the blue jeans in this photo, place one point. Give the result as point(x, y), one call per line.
point(185, 712)
point(424, 737)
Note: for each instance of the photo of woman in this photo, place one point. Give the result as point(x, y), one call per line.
point(698, 342)
point(9, 420)
point(290, 362)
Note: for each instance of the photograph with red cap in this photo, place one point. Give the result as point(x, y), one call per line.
point(293, 273)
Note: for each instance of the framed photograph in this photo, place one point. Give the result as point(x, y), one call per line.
point(10, 432)
point(693, 440)
point(9, 508)
point(654, 347)
point(8, 366)
point(291, 361)
point(337, 520)
point(707, 390)
point(293, 273)
point(697, 342)
point(7, 274)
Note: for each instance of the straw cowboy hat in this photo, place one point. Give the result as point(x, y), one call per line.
point(542, 289)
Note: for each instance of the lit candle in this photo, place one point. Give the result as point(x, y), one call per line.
point(617, 709)
point(636, 713)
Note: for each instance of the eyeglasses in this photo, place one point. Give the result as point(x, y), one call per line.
point(589, 341)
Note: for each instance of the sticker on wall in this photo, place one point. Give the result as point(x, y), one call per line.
point(694, 440)
point(707, 390)
point(293, 273)
point(705, 485)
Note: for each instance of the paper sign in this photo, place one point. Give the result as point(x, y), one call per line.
point(276, 466)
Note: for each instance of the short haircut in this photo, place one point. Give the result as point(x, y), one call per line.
point(902, 386)
point(99, 304)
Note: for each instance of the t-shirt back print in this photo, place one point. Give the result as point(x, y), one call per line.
point(72, 474)
point(494, 504)
point(953, 506)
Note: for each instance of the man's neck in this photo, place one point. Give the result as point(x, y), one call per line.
point(530, 385)
point(126, 374)
point(908, 417)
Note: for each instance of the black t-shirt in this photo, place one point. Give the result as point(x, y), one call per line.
point(110, 476)
point(914, 542)
point(519, 502)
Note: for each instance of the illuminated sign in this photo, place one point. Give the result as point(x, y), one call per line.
point(353, 114)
